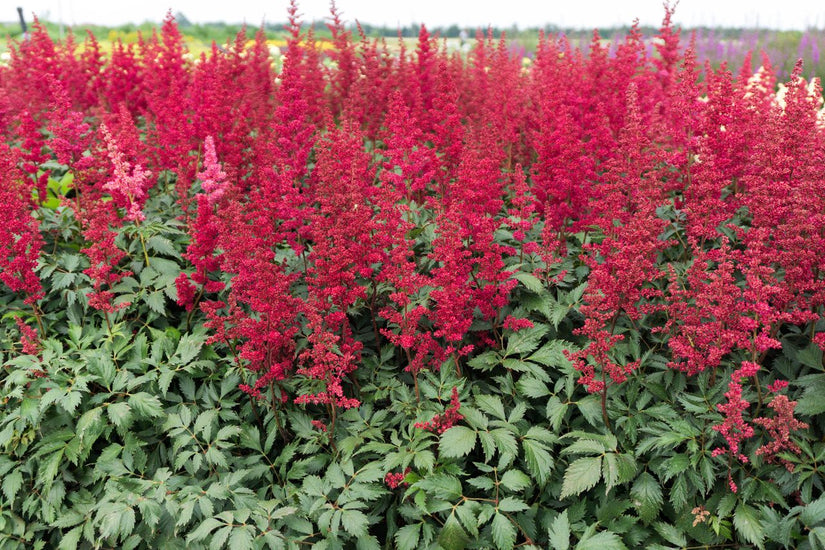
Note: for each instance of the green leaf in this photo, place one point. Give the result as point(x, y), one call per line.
point(748, 525)
point(531, 282)
point(456, 442)
point(407, 537)
point(241, 538)
point(491, 404)
point(813, 513)
point(515, 480)
point(581, 475)
point(526, 340)
point(188, 348)
point(504, 532)
point(207, 526)
point(618, 468)
point(11, 484)
point(156, 302)
point(606, 540)
point(539, 461)
point(510, 504)
point(647, 495)
point(69, 540)
point(452, 535)
point(670, 533)
point(162, 245)
point(120, 414)
point(559, 532)
point(49, 467)
point(146, 405)
point(355, 522)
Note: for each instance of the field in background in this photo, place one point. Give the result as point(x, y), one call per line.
point(714, 45)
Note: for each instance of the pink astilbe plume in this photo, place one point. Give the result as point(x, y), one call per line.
point(779, 428)
point(130, 184)
point(213, 178)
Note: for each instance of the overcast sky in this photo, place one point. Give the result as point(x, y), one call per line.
point(784, 14)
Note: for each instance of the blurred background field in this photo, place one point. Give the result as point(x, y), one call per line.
point(714, 45)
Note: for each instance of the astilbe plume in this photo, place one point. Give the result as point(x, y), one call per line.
point(440, 423)
point(343, 232)
point(204, 230)
point(29, 338)
point(33, 152)
point(624, 264)
point(734, 428)
point(130, 184)
point(779, 428)
point(20, 239)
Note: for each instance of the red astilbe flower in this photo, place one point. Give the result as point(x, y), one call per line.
point(71, 133)
point(20, 239)
point(28, 337)
point(33, 152)
point(440, 423)
point(734, 428)
point(624, 264)
point(204, 231)
point(393, 480)
point(779, 428)
point(104, 255)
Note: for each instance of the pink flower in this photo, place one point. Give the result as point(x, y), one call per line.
point(129, 184)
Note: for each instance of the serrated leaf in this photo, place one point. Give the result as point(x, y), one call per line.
point(355, 522)
point(618, 468)
point(156, 302)
point(670, 533)
point(219, 537)
point(120, 414)
point(526, 340)
point(71, 401)
point(515, 480)
point(456, 442)
point(11, 484)
point(581, 475)
point(504, 532)
point(559, 532)
point(69, 540)
point(539, 460)
point(49, 468)
point(468, 518)
point(188, 348)
point(491, 404)
point(146, 405)
point(407, 537)
point(747, 524)
point(511, 504)
point(647, 495)
point(814, 512)
point(241, 538)
point(162, 245)
point(605, 540)
point(531, 282)
point(530, 386)
point(452, 535)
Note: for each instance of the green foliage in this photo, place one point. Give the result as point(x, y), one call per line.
point(129, 430)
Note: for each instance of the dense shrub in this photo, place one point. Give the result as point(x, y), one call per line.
point(408, 299)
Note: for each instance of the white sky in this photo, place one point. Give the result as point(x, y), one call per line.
point(777, 14)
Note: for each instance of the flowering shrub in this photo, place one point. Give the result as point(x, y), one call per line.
point(415, 301)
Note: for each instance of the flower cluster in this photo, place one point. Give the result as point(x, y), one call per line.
point(440, 423)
